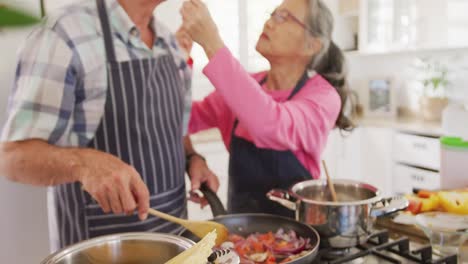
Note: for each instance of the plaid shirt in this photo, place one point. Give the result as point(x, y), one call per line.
point(61, 80)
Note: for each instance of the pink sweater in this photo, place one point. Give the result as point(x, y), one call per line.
point(301, 124)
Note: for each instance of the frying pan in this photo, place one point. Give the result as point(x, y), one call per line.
point(246, 224)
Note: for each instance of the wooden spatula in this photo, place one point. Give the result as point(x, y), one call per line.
point(330, 183)
point(199, 253)
point(198, 228)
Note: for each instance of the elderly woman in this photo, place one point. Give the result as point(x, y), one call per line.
point(275, 123)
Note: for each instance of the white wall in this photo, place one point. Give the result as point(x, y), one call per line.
point(23, 225)
point(24, 235)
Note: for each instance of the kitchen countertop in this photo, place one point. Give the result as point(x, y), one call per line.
point(413, 233)
point(404, 124)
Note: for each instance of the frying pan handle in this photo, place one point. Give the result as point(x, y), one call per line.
point(282, 197)
point(217, 207)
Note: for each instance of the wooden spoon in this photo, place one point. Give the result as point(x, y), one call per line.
point(198, 228)
point(330, 183)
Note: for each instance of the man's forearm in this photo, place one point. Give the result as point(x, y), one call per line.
point(38, 163)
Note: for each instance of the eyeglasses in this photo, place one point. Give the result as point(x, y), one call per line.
point(282, 15)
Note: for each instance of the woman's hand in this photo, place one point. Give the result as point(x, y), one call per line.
point(197, 22)
point(184, 40)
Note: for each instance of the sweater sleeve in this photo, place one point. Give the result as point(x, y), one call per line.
point(301, 123)
point(207, 113)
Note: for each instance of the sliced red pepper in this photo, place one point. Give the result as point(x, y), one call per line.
point(425, 194)
point(414, 206)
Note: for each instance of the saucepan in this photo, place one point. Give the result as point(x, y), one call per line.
point(341, 224)
point(122, 248)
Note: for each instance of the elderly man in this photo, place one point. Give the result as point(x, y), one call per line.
point(99, 109)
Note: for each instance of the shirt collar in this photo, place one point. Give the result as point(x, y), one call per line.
point(123, 25)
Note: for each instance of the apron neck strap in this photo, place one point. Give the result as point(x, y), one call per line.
point(296, 89)
point(106, 30)
point(298, 86)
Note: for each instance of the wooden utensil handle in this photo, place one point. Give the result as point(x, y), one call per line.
point(166, 216)
point(330, 183)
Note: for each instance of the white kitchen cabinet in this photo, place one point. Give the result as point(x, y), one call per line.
point(382, 26)
point(376, 157)
point(407, 178)
point(417, 150)
point(388, 25)
point(363, 155)
point(416, 162)
point(342, 155)
point(350, 160)
point(332, 153)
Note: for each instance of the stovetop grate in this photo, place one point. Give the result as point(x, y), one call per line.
point(379, 245)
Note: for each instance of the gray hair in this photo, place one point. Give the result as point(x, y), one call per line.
point(329, 62)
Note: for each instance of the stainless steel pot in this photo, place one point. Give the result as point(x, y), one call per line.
point(138, 248)
point(341, 224)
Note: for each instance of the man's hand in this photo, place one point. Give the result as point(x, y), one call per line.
point(115, 185)
point(199, 173)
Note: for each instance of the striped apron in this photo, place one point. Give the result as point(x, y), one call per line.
point(142, 125)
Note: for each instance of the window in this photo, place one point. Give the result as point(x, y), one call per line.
point(226, 16)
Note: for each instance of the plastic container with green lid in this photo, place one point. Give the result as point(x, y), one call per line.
point(454, 142)
point(454, 162)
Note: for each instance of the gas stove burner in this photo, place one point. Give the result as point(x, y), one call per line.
point(334, 253)
point(381, 249)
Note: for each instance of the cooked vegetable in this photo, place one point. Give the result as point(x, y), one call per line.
point(269, 248)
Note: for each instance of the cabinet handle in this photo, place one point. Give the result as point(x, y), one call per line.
point(417, 178)
point(419, 145)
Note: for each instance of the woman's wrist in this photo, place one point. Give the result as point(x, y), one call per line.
point(212, 47)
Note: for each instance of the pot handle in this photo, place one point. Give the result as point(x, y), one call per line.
point(282, 197)
point(217, 207)
point(388, 206)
